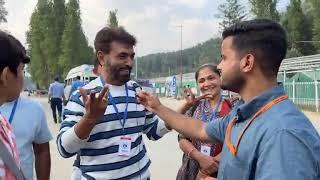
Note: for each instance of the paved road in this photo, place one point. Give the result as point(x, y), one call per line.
point(164, 154)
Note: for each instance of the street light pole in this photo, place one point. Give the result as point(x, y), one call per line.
point(180, 26)
point(136, 64)
point(136, 68)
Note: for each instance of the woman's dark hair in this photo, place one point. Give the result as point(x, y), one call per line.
point(212, 67)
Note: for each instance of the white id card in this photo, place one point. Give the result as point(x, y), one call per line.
point(205, 149)
point(124, 146)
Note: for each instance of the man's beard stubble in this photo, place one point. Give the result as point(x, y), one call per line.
point(234, 84)
point(115, 75)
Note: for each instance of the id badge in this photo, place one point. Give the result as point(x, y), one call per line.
point(206, 149)
point(124, 146)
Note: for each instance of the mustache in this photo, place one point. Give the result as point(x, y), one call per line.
point(126, 67)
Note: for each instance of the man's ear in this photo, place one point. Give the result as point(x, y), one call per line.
point(100, 57)
point(247, 63)
point(4, 76)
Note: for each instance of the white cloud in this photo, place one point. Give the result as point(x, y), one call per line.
point(19, 13)
point(195, 30)
point(197, 4)
point(154, 23)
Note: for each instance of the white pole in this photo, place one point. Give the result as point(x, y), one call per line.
point(181, 56)
point(293, 91)
point(284, 78)
point(136, 63)
point(317, 95)
point(136, 68)
point(316, 90)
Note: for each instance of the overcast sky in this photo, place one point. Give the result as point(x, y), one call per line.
point(154, 23)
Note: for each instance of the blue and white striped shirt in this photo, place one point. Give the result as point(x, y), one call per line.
point(99, 157)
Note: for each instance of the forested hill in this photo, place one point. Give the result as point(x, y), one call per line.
point(166, 64)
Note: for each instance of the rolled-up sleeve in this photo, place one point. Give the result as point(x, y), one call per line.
point(154, 127)
point(216, 128)
point(68, 142)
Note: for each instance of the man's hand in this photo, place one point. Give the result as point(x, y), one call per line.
point(65, 102)
point(191, 99)
point(208, 164)
point(148, 100)
point(201, 176)
point(182, 124)
point(95, 104)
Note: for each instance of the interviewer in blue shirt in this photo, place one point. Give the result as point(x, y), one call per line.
point(266, 137)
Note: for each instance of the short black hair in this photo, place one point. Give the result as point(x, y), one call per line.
point(78, 77)
point(56, 78)
point(212, 67)
point(107, 35)
point(12, 53)
point(265, 39)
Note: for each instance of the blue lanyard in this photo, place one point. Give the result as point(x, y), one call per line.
point(13, 111)
point(213, 113)
point(125, 114)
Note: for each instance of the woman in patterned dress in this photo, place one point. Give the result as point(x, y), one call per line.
point(200, 159)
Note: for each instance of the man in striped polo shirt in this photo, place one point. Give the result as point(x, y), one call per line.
point(106, 128)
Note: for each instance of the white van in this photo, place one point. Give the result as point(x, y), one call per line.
point(85, 72)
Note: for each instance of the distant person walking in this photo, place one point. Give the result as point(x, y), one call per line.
point(56, 97)
point(76, 85)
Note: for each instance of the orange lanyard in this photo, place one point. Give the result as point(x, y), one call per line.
point(234, 149)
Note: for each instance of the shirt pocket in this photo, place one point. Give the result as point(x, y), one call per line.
point(236, 170)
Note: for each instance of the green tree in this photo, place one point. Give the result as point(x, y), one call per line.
point(231, 12)
point(75, 50)
point(58, 17)
point(265, 9)
point(3, 12)
point(299, 29)
point(153, 65)
point(112, 20)
point(316, 22)
point(39, 44)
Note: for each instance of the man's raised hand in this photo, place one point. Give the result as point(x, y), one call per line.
point(95, 103)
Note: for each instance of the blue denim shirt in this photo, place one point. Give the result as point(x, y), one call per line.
point(281, 143)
